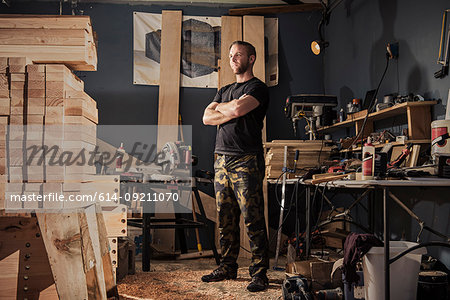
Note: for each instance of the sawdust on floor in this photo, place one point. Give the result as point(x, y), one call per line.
point(180, 280)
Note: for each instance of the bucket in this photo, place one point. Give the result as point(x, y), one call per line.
point(438, 145)
point(403, 272)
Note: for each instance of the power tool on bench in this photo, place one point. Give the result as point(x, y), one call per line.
point(309, 107)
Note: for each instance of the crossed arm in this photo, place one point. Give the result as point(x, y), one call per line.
point(219, 113)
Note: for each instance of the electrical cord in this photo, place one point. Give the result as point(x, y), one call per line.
point(371, 106)
point(295, 192)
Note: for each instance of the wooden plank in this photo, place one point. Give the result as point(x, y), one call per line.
point(36, 76)
point(57, 37)
point(45, 21)
point(169, 88)
point(63, 245)
point(79, 107)
point(210, 206)
point(113, 245)
point(3, 65)
point(253, 32)
point(9, 276)
point(110, 285)
point(91, 254)
point(115, 220)
point(54, 115)
point(4, 86)
point(35, 69)
point(368, 128)
point(395, 110)
point(413, 159)
point(231, 31)
point(17, 77)
point(46, 54)
point(419, 122)
point(263, 10)
point(5, 106)
point(49, 293)
point(168, 109)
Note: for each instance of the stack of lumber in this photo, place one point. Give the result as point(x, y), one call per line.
point(53, 96)
point(47, 39)
point(311, 154)
point(48, 126)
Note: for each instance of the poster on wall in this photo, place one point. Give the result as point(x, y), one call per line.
point(200, 50)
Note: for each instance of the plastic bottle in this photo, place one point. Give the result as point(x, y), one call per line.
point(341, 115)
point(368, 165)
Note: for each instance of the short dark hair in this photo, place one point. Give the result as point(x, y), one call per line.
point(250, 49)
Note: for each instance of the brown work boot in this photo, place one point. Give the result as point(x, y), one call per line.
point(220, 274)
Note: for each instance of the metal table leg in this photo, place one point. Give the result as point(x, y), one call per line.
point(308, 220)
point(386, 244)
point(146, 242)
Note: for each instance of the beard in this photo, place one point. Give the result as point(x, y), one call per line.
point(241, 68)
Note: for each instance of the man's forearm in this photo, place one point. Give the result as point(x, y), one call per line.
point(227, 109)
point(214, 117)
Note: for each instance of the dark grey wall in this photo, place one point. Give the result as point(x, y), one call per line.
point(121, 102)
point(354, 62)
point(358, 33)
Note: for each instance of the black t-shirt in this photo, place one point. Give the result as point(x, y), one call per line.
point(242, 135)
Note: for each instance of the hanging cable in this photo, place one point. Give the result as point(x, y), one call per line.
point(371, 106)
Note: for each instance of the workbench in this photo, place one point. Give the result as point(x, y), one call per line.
point(384, 186)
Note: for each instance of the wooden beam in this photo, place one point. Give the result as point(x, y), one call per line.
point(231, 31)
point(63, 245)
point(266, 10)
point(45, 21)
point(169, 81)
point(59, 37)
point(253, 32)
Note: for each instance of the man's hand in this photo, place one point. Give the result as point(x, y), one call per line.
point(238, 107)
point(211, 116)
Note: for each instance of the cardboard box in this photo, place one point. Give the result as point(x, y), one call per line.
point(318, 273)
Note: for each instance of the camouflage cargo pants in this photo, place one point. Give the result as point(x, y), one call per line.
point(238, 188)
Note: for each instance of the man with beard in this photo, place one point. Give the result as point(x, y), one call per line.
point(239, 110)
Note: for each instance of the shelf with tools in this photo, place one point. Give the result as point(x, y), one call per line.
point(418, 116)
point(381, 145)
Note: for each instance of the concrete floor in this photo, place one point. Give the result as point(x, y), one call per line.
point(180, 279)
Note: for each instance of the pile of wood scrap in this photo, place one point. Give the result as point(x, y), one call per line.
point(311, 154)
point(65, 40)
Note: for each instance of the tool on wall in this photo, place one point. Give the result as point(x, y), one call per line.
point(310, 108)
point(443, 47)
